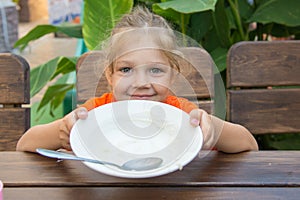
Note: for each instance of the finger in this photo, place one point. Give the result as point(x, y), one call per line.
point(81, 113)
point(209, 143)
point(66, 146)
point(195, 117)
point(207, 130)
point(64, 137)
point(74, 117)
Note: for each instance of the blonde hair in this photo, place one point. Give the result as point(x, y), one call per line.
point(142, 22)
point(140, 17)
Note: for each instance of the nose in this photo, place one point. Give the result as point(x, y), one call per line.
point(141, 80)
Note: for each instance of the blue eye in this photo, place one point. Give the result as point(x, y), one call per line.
point(155, 70)
point(125, 69)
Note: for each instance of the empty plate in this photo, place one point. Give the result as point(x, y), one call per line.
point(126, 130)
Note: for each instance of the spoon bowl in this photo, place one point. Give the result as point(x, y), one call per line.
point(139, 164)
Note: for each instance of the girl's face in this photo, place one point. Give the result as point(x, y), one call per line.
point(143, 74)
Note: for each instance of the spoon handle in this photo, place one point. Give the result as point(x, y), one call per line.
point(66, 156)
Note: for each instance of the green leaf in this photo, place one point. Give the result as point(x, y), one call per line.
point(245, 9)
point(170, 14)
point(65, 79)
point(200, 24)
point(210, 41)
point(148, 3)
point(180, 11)
point(34, 34)
point(277, 11)
point(221, 24)
point(100, 17)
point(219, 56)
point(279, 30)
point(55, 95)
point(187, 6)
point(41, 75)
point(43, 116)
point(53, 102)
point(287, 141)
point(65, 65)
point(71, 29)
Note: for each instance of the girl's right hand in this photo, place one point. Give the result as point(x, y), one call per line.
point(199, 117)
point(67, 123)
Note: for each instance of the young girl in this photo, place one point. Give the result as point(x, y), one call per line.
point(142, 62)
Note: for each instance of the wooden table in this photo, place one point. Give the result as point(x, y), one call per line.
point(249, 175)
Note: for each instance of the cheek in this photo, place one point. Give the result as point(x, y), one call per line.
point(162, 86)
point(119, 83)
point(165, 81)
point(115, 80)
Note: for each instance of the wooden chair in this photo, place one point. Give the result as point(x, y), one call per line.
point(263, 86)
point(197, 84)
point(15, 95)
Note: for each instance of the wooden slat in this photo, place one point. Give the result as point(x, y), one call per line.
point(15, 93)
point(211, 169)
point(174, 193)
point(213, 175)
point(13, 123)
point(198, 76)
point(259, 64)
point(265, 110)
point(89, 74)
point(198, 81)
point(208, 106)
point(260, 78)
point(14, 79)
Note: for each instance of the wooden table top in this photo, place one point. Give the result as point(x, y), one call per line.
point(248, 175)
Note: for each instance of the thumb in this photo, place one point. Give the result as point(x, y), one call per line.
point(81, 113)
point(195, 116)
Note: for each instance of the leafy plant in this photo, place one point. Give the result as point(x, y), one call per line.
point(215, 24)
point(218, 24)
point(99, 18)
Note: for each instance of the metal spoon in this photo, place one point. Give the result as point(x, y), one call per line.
point(139, 164)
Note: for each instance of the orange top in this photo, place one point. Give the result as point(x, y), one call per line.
point(106, 98)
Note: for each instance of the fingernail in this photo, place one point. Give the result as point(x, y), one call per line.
point(81, 112)
point(195, 122)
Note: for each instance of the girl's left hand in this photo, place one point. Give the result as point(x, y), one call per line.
point(202, 118)
point(67, 123)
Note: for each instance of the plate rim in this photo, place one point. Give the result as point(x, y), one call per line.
point(185, 158)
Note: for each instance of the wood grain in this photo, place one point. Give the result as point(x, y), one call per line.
point(263, 86)
point(150, 193)
point(14, 79)
point(15, 93)
point(212, 175)
point(260, 64)
point(211, 169)
point(265, 111)
point(13, 123)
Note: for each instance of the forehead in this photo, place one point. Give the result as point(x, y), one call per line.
point(143, 56)
point(141, 38)
point(131, 46)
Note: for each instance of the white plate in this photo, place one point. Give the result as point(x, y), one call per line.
point(125, 130)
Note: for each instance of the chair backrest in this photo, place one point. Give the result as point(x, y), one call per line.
point(197, 84)
point(14, 94)
point(263, 86)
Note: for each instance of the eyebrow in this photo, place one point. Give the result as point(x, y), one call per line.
point(130, 62)
point(123, 61)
